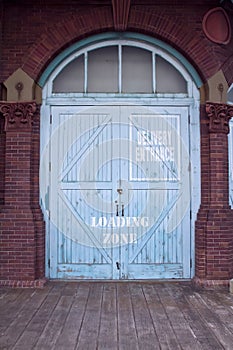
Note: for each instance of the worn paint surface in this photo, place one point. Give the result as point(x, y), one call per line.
point(118, 192)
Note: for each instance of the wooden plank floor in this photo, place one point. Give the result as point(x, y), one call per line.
point(116, 315)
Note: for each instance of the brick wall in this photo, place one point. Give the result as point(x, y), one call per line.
point(34, 33)
point(21, 223)
point(2, 160)
point(214, 225)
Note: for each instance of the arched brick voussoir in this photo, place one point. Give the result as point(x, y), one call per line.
point(188, 38)
point(185, 37)
point(228, 70)
point(54, 39)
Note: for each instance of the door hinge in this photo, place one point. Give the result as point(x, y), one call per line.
point(49, 166)
point(190, 214)
point(49, 263)
point(191, 263)
point(51, 119)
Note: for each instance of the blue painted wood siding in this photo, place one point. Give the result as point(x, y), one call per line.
point(119, 193)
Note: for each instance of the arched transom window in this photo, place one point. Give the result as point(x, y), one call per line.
point(121, 67)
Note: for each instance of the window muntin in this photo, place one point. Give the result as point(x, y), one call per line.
point(121, 68)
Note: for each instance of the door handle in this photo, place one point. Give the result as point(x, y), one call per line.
point(122, 209)
point(118, 265)
point(117, 209)
point(119, 190)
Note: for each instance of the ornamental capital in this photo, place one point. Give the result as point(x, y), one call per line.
point(18, 115)
point(219, 115)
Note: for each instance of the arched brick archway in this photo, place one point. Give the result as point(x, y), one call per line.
point(214, 220)
point(158, 25)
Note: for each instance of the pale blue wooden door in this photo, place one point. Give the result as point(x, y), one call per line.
point(158, 187)
point(119, 193)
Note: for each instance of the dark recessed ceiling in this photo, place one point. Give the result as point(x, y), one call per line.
point(211, 3)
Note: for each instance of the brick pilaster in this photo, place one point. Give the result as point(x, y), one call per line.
point(22, 228)
point(214, 225)
point(2, 160)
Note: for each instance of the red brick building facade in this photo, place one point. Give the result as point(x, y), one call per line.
point(33, 34)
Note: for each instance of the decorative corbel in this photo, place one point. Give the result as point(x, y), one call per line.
point(18, 115)
point(219, 115)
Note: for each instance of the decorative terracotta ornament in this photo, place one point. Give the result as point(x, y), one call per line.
point(216, 26)
point(219, 115)
point(18, 115)
point(19, 88)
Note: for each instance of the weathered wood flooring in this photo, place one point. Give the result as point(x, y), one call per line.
point(111, 315)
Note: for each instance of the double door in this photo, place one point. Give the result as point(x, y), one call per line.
point(117, 192)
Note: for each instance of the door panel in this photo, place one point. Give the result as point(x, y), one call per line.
point(118, 192)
